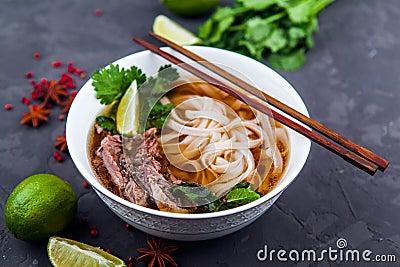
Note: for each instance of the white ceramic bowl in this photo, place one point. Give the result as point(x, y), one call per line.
point(176, 226)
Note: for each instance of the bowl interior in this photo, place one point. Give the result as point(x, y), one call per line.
point(86, 107)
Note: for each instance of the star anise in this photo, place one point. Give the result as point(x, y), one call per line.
point(53, 92)
point(67, 103)
point(36, 115)
point(61, 143)
point(157, 255)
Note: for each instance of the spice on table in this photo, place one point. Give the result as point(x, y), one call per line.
point(98, 12)
point(86, 185)
point(56, 64)
point(54, 91)
point(8, 107)
point(36, 55)
point(67, 103)
point(58, 156)
point(25, 100)
point(36, 115)
point(61, 143)
point(29, 75)
point(157, 254)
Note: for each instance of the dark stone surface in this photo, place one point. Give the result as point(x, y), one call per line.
point(350, 82)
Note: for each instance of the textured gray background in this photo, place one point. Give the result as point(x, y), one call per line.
point(349, 82)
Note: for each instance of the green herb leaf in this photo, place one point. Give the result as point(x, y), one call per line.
point(193, 194)
point(111, 83)
point(158, 115)
point(277, 30)
point(240, 196)
point(289, 62)
point(107, 123)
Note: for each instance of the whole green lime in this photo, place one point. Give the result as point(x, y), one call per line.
point(40, 206)
point(190, 8)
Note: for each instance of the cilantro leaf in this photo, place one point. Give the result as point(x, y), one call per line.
point(107, 123)
point(111, 83)
point(279, 31)
point(158, 115)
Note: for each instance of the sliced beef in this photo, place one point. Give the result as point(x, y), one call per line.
point(141, 171)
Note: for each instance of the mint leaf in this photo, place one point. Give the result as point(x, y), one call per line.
point(193, 194)
point(240, 196)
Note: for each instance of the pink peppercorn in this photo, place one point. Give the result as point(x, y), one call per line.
point(98, 12)
point(29, 75)
point(94, 232)
point(8, 106)
point(86, 184)
point(25, 100)
point(36, 55)
point(56, 64)
point(61, 118)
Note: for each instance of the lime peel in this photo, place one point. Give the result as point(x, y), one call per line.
point(66, 252)
point(173, 31)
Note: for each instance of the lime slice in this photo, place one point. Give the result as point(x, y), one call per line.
point(128, 111)
point(65, 252)
point(174, 32)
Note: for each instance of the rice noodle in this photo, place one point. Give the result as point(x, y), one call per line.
point(218, 141)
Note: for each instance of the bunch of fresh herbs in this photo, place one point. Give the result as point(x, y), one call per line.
point(279, 31)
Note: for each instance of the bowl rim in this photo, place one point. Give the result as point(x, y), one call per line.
point(278, 189)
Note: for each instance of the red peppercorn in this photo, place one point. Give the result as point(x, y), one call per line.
point(29, 75)
point(36, 55)
point(86, 184)
point(131, 264)
point(98, 12)
point(108, 250)
point(59, 158)
point(61, 118)
point(43, 80)
point(74, 93)
point(25, 100)
point(128, 226)
point(56, 64)
point(33, 82)
point(94, 232)
point(8, 106)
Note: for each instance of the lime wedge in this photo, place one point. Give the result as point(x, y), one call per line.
point(174, 32)
point(128, 111)
point(65, 252)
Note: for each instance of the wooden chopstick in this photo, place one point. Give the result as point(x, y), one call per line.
point(256, 103)
point(367, 154)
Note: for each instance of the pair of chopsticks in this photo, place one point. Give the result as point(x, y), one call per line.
point(357, 155)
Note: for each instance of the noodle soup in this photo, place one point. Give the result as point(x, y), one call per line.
point(209, 144)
